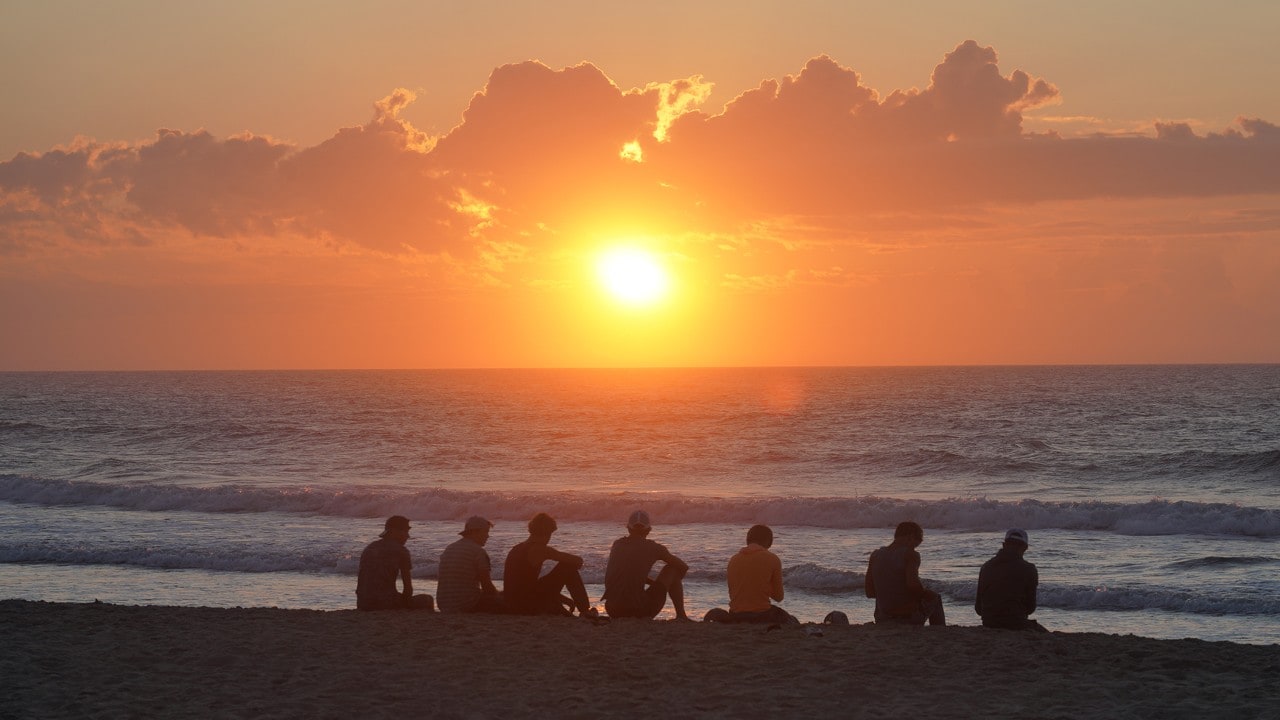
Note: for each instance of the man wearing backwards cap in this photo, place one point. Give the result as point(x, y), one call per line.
point(464, 584)
point(626, 575)
point(380, 563)
point(1007, 587)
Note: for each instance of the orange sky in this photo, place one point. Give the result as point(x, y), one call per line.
point(805, 219)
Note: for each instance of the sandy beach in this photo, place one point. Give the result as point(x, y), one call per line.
point(113, 661)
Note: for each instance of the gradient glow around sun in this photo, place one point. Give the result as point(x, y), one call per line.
point(632, 276)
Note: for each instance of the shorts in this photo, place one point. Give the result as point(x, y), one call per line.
point(647, 605)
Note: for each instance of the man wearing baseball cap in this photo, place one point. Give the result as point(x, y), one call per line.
point(1007, 586)
point(380, 563)
point(464, 584)
point(628, 589)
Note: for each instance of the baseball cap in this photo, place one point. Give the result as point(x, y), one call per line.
point(1017, 534)
point(475, 522)
point(639, 518)
point(395, 522)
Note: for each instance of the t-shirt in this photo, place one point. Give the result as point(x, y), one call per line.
point(755, 577)
point(888, 570)
point(379, 565)
point(630, 560)
point(462, 564)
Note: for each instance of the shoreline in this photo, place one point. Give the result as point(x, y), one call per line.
point(101, 660)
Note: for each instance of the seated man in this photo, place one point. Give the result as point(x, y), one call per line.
point(628, 589)
point(755, 578)
point(1007, 587)
point(464, 584)
point(380, 563)
point(525, 593)
point(893, 579)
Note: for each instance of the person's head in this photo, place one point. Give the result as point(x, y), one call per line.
point(477, 529)
point(909, 532)
point(761, 535)
point(542, 525)
point(396, 528)
point(1017, 540)
point(639, 524)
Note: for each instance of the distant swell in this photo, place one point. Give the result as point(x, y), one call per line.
point(1155, 517)
point(1267, 461)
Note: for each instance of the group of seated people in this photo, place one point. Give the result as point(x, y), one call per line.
point(1006, 594)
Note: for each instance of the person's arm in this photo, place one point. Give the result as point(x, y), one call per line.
point(982, 583)
point(868, 582)
point(775, 580)
point(406, 579)
point(674, 562)
point(486, 582)
point(1031, 590)
point(555, 555)
point(914, 586)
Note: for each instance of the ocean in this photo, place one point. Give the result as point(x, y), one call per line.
point(1151, 493)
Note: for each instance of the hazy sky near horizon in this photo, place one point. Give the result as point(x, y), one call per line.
point(396, 184)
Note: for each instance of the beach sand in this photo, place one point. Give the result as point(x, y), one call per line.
point(112, 661)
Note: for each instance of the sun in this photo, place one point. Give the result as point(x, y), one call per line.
point(632, 276)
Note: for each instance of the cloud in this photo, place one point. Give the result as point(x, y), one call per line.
point(544, 155)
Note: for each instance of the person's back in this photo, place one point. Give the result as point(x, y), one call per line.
point(379, 565)
point(751, 577)
point(1007, 586)
point(888, 568)
point(754, 574)
point(630, 559)
point(520, 580)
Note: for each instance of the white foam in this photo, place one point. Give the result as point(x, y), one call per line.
point(1153, 517)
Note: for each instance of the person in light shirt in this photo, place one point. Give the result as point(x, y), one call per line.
point(464, 584)
point(755, 581)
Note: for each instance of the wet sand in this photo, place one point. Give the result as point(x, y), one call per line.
point(114, 661)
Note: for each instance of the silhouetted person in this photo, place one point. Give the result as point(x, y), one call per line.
point(525, 593)
point(893, 579)
point(380, 563)
point(1007, 587)
point(755, 578)
point(628, 589)
point(464, 584)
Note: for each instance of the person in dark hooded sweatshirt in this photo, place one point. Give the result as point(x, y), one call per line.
point(1007, 587)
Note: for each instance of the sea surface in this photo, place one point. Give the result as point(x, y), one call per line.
point(1151, 493)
